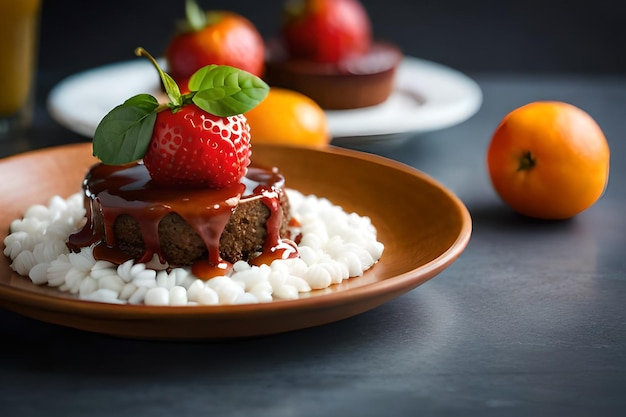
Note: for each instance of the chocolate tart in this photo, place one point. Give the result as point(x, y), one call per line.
point(358, 81)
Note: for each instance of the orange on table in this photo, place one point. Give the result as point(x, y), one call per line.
point(549, 160)
point(288, 117)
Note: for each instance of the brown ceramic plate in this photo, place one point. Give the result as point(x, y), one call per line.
point(423, 226)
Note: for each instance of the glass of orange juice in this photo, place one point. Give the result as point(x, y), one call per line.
point(19, 40)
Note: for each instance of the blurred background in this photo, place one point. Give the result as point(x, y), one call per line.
point(479, 36)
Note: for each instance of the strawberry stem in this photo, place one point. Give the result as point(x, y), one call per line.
point(171, 88)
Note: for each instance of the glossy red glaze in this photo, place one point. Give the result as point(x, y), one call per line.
point(111, 191)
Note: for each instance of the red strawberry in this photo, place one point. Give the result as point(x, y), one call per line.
point(214, 37)
point(196, 148)
point(326, 30)
point(200, 138)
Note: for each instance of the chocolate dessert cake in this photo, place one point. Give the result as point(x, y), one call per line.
point(358, 81)
point(129, 217)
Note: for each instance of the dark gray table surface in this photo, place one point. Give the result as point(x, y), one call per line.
point(530, 320)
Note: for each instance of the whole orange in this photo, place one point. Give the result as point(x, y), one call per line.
point(549, 160)
point(286, 116)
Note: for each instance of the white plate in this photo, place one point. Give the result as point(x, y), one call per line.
point(427, 96)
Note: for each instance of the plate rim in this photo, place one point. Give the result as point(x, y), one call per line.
point(398, 284)
point(457, 112)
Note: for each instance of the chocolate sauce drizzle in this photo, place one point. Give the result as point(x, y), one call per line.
point(111, 191)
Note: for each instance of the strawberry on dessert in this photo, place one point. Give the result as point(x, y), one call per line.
point(200, 138)
point(218, 155)
point(175, 181)
point(213, 37)
point(325, 50)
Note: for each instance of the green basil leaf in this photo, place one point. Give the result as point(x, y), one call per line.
point(171, 88)
point(226, 91)
point(124, 133)
point(218, 93)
